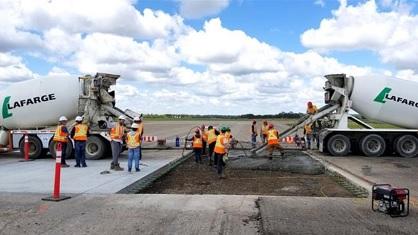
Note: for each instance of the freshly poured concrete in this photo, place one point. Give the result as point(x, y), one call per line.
point(37, 176)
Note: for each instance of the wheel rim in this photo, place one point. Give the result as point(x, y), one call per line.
point(408, 146)
point(32, 148)
point(92, 148)
point(374, 146)
point(339, 145)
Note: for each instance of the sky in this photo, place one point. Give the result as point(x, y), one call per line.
point(209, 56)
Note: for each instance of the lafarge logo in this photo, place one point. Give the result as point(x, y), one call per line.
point(385, 95)
point(8, 106)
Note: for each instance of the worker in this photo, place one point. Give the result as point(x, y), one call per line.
point(133, 142)
point(79, 134)
point(254, 134)
point(140, 129)
point(311, 109)
point(307, 131)
point(197, 145)
point(221, 152)
point(316, 128)
point(273, 141)
point(204, 135)
point(229, 138)
point(117, 134)
point(264, 131)
point(211, 143)
point(61, 136)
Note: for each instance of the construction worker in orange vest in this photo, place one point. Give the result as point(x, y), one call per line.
point(221, 150)
point(307, 131)
point(204, 135)
point(273, 141)
point(264, 131)
point(139, 121)
point(211, 142)
point(117, 134)
point(197, 145)
point(133, 142)
point(79, 134)
point(311, 109)
point(61, 136)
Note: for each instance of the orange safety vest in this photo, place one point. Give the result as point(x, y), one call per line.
point(211, 136)
point(228, 136)
point(312, 110)
point(80, 133)
point(59, 135)
point(308, 129)
point(205, 136)
point(133, 139)
point(197, 142)
point(116, 133)
point(220, 144)
point(272, 137)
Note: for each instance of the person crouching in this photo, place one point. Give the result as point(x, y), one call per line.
point(133, 142)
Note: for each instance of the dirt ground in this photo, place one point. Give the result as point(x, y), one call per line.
point(193, 178)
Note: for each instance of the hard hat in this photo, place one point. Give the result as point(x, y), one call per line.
point(79, 119)
point(309, 103)
point(227, 128)
point(137, 119)
point(197, 130)
point(121, 117)
point(135, 125)
point(271, 125)
point(63, 118)
point(223, 129)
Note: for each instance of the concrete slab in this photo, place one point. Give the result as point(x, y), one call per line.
point(310, 215)
point(129, 214)
point(37, 176)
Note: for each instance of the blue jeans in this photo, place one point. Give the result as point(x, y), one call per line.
point(197, 154)
point(253, 140)
point(133, 154)
point(80, 153)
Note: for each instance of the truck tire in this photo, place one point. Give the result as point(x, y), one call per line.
point(373, 145)
point(338, 145)
point(35, 147)
point(69, 150)
point(95, 148)
point(407, 146)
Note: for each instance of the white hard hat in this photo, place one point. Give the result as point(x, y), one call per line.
point(135, 125)
point(121, 117)
point(137, 119)
point(79, 119)
point(63, 118)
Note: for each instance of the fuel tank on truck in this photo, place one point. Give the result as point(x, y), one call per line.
point(390, 100)
point(38, 102)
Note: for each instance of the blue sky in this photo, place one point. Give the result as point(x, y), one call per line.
point(228, 56)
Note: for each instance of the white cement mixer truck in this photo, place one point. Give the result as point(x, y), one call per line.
point(33, 107)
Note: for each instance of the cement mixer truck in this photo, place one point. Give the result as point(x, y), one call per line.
point(33, 107)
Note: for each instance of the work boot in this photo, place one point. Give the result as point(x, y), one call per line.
point(137, 170)
point(76, 165)
point(112, 166)
point(118, 168)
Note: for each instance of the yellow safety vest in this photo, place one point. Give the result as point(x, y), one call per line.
point(220, 144)
point(80, 133)
point(197, 142)
point(272, 137)
point(211, 136)
point(133, 139)
point(308, 129)
point(59, 135)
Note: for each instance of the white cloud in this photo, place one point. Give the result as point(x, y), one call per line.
point(320, 3)
point(392, 34)
point(194, 9)
point(12, 69)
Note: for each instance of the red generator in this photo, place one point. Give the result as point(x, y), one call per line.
point(389, 200)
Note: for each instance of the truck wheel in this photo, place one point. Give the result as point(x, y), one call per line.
point(95, 148)
point(373, 145)
point(53, 147)
point(35, 147)
point(407, 146)
point(339, 145)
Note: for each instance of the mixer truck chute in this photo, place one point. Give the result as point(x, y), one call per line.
point(34, 106)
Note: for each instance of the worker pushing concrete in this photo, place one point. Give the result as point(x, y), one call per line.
point(197, 145)
point(221, 150)
point(140, 129)
point(254, 134)
point(133, 142)
point(273, 141)
point(117, 133)
point(211, 143)
point(264, 131)
point(61, 136)
point(79, 134)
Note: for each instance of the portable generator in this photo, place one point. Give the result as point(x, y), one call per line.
point(389, 200)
